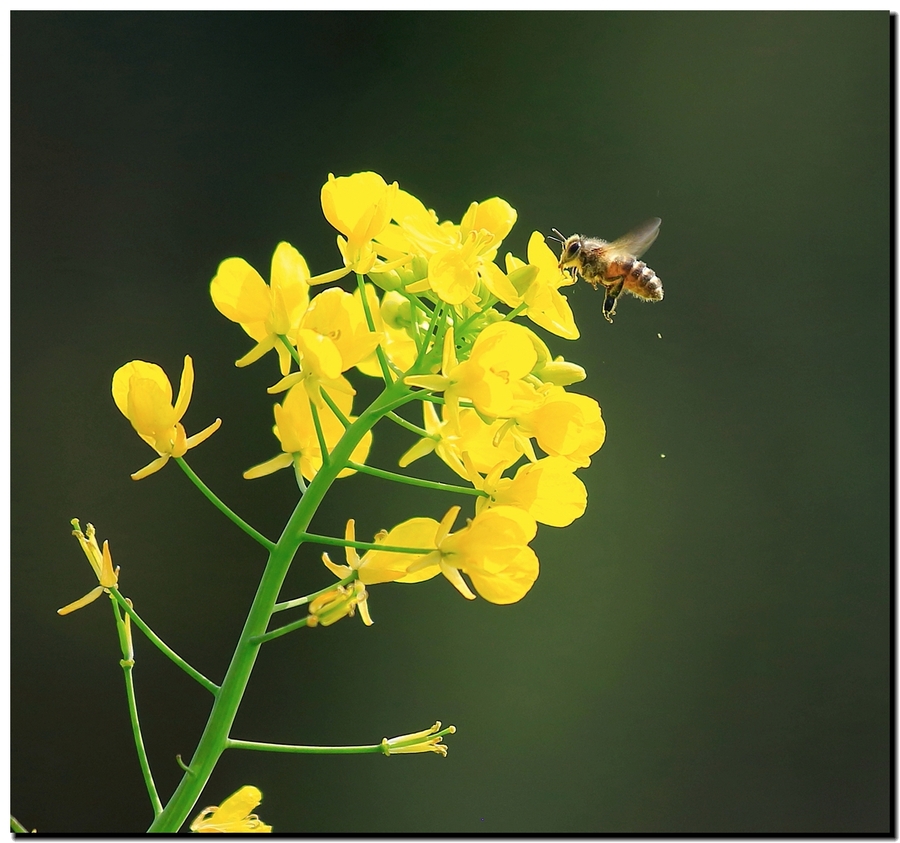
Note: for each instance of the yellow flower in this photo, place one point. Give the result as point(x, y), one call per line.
point(101, 562)
point(393, 320)
point(143, 394)
point(333, 336)
point(264, 311)
point(470, 435)
point(492, 550)
point(338, 316)
point(379, 566)
point(493, 376)
point(339, 603)
point(360, 207)
point(296, 430)
point(495, 215)
point(566, 425)
point(455, 270)
point(459, 256)
point(547, 307)
point(547, 489)
point(428, 740)
point(233, 816)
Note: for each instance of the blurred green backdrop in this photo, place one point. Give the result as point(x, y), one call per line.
point(707, 650)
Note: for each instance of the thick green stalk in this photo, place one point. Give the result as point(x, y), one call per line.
point(214, 739)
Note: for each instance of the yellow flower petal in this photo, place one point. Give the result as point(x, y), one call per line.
point(240, 294)
point(233, 816)
point(90, 597)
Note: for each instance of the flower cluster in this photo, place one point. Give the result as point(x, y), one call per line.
point(437, 321)
point(438, 318)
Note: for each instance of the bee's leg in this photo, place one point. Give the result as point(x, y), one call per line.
point(612, 294)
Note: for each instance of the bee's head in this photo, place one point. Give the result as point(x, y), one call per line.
point(571, 251)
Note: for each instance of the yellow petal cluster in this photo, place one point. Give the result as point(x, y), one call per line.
point(492, 550)
point(233, 816)
point(547, 489)
point(360, 207)
point(566, 425)
point(100, 561)
point(264, 311)
point(143, 394)
point(546, 306)
point(295, 428)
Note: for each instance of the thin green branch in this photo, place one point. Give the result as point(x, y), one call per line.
point(127, 663)
point(428, 395)
point(320, 435)
point(162, 646)
point(333, 542)
point(314, 750)
point(515, 311)
point(282, 630)
point(379, 351)
point(217, 503)
point(302, 601)
point(293, 351)
point(298, 476)
point(419, 431)
point(334, 408)
point(16, 827)
point(414, 481)
point(437, 318)
point(139, 741)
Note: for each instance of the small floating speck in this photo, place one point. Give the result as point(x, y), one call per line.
point(659, 335)
point(663, 456)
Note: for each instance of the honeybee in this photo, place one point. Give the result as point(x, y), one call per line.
point(614, 265)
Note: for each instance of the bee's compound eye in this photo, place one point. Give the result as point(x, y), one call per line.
point(572, 249)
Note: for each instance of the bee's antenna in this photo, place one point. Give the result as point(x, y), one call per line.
point(558, 234)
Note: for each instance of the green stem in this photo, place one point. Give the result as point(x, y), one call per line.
point(415, 481)
point(419, 431)
point(315, 750)
point(162, 646)
point(127, 663)
point(139, 741)
point(215, 735)
point(437, 318)
point(281, 630)
point(334, 542)
point(293, 351)
point(16, 826)
point(334, 408)
point(379, 351)
point(214, 500)
point(515, 311)
point(320, 435)
point(427, 395)
point(302, 601)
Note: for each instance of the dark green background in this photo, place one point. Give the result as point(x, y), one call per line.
point(706, 650)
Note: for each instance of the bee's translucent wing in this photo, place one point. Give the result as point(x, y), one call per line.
point(638, 240)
